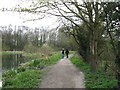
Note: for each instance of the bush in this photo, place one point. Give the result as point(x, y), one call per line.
point(21, 69)
point(36, 62)
point(9, 74)
point(30, 48)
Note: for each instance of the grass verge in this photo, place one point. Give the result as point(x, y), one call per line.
point(28, 75)
point(94, 80)
point(27, 79)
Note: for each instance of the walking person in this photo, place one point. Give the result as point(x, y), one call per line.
point(67, 52)
point(62, 52)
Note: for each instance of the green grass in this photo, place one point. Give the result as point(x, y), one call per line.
point(31, 77)
point(27, 79)
point(54, 59)
point(46, 61)
point(94, 80)
point(29, 74)
point(72, 52)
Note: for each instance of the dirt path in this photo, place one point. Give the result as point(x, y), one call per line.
point(63, 75)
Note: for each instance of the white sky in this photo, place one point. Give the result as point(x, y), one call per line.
point(16, 18)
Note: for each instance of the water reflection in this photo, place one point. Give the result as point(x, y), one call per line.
point(12, 61)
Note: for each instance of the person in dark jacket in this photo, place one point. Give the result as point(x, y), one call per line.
point(62, 52)
point(67, 52)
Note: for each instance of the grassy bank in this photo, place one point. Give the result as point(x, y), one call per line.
point(29, 74)
point(94, 80)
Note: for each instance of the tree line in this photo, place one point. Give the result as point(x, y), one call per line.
point(23, 38)
point(16, 38)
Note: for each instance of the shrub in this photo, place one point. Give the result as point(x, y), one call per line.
point(21, 69)
point(9, 74)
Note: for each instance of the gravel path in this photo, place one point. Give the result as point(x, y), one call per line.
point(63, 75)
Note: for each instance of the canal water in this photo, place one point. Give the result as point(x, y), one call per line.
point(12, 61)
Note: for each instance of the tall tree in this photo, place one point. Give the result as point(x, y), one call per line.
point(112, 27)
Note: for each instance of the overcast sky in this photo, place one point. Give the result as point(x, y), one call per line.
point(16, 18)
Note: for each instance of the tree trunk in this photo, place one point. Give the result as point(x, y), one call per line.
point(118, 73)
point(118, 78)
point(93, 50)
